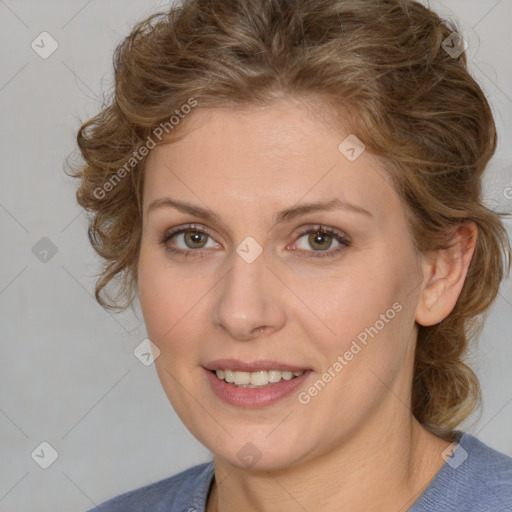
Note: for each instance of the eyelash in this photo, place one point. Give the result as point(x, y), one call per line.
point(344, 242)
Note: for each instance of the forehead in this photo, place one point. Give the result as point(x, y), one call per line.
point(281, 154)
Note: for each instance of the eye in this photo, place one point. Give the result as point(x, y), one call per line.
point(188, 239)
point(191, 240)
point(321, 239)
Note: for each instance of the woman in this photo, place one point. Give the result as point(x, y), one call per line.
point(292, 189)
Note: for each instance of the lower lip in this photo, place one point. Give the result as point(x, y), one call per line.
point(254, 397)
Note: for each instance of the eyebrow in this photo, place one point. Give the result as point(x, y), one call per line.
point(281, 216)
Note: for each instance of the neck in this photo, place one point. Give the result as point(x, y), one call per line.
point(383, 468)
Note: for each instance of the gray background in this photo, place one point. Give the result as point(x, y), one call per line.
point(68, 373)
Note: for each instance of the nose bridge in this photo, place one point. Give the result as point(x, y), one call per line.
point(247, 300)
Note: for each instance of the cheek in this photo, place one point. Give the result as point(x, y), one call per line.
point(154, 298)
point(171, 320)
point(161, 298)
point(368, 310)
point(354, 300)
point(173, 305)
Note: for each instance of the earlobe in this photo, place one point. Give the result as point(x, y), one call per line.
point(446, 272)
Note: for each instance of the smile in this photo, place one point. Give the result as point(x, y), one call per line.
point(255, 379)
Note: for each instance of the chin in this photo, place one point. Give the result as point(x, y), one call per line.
point(258, 452)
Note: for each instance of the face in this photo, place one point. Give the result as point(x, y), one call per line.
point(238, 271)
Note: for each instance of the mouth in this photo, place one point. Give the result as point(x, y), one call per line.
point(255, 379)
point(254, 385)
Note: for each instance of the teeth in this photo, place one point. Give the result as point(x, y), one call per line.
point(240, 378)
point(255, 379)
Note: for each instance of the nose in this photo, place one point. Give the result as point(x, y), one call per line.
point(249, 302)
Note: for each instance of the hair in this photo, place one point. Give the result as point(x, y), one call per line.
point(381, 67)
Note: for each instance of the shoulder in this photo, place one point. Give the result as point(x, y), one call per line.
point(184, 491)
point(474, 478)
point(488, 470)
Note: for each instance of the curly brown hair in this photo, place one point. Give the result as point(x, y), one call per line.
point(383, 67)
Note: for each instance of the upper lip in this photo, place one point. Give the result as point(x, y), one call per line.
point(254, 366)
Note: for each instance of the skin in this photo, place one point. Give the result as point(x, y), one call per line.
point(356, 445)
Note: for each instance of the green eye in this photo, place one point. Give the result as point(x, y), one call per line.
point(321, 239)
point(191, 240)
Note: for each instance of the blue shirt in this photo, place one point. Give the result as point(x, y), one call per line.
point(475, 478)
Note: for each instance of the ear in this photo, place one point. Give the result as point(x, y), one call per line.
point(445, 273)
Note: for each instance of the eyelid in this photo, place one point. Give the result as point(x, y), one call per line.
point(324, 229)
point(187, 227)
point(302, 231)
